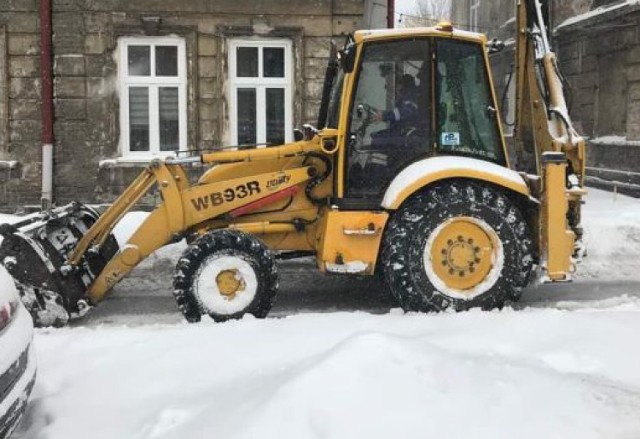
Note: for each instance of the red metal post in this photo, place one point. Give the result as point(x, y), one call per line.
point(391, 13)
point(46, 78)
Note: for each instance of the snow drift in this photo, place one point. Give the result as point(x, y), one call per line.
point(530, 374)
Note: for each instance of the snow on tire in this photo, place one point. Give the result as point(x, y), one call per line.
point(459, 244)
point(226, 274)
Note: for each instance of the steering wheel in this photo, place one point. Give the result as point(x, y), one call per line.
point(367, 114)
point(366, 110)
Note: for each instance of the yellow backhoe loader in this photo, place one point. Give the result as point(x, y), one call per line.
point(408, 177)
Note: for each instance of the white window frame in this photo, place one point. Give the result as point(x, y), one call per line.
point(474, 6)
point(153, 83)
point(260, 84)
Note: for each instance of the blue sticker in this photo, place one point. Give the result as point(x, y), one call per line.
point(450, 139)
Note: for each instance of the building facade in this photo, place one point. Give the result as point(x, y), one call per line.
point(136, 80)
point(598, 47)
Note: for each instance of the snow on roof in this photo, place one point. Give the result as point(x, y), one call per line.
point(602, 10)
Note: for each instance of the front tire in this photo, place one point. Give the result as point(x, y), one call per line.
point(457, 245)
point(226, 274)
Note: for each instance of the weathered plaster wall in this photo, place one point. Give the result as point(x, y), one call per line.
point(20, 105)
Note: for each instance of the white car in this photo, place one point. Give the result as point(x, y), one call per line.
point(17, 357)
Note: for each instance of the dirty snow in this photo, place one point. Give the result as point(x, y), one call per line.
point(565, 372)
point(615, 140)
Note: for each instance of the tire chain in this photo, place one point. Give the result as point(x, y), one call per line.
point(188, 303)
point(440, 197)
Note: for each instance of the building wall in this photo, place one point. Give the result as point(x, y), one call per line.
point(86, 87)
point(19, 100)
point(600, 55)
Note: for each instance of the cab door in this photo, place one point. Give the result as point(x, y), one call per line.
point(389, 122)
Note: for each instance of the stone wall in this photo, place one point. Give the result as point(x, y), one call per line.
point(85, 41)
point(20, 125)
point(599, 53)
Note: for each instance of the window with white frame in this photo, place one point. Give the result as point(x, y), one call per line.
point(474, 5)
point(260, 89)
point(153, 107)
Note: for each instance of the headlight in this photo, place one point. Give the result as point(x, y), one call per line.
point(7, 312)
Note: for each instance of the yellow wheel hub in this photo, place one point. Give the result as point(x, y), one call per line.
point(230, 283)
point(463, 253)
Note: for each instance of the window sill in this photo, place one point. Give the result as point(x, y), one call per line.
point(134, 162)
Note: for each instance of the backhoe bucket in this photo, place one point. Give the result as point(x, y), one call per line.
point(36, 250)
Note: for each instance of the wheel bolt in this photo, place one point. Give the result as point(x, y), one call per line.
point(461, 274)
point(477, 261)
point(470, 241)
point(451, 271)
point(476, 249)
point(450, 242)
point(460, 238)
point(444, 251)
point(444, 263)
point(471, 269)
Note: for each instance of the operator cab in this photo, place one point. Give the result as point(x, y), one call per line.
point(413, 98)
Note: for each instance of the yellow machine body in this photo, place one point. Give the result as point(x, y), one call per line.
point(347, 242)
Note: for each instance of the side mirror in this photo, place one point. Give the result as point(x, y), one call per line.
point(495, 46)
point(348, 57)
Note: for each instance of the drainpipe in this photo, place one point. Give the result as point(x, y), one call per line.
point(391, 13)
point(46, 78)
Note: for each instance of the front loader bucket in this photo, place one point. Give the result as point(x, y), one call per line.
point(35, 252)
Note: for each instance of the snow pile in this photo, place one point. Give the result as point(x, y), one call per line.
point(525, 374)
point(614, 140)
point(612, 234)
point(128, 225)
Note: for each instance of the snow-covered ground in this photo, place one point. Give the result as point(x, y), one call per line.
point(568, 369)
point(526, 374)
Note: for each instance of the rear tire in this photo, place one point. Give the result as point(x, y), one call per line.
point(457, 245)
point(226, 274)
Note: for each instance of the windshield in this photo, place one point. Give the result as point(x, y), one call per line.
point(335, 98)
point(466, 115)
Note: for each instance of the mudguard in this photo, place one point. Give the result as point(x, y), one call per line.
point(427, 171)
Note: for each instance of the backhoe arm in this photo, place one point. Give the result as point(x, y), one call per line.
point(546, 142)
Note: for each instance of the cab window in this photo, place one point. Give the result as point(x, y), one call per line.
point(390, 114)
point(467, 121)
